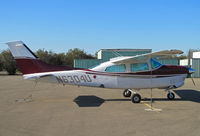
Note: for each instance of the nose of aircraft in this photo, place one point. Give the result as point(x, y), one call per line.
point(190, 70)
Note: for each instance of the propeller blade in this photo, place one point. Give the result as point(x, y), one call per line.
point(193, 81)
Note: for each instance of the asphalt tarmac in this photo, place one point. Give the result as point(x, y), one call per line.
point(30, 109)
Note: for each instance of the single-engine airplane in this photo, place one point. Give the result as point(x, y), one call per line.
point(129, 73)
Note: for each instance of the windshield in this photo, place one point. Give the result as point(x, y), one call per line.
point(155, 64)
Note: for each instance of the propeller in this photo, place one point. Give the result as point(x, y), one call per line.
point(193, 81)
point(190, 70)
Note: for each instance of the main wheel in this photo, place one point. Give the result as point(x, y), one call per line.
point(127, 93)
point(136, 98)
point(170, 96)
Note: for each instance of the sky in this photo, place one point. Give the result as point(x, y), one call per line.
point(60, 25)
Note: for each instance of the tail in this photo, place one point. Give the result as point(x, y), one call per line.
point(28, 62)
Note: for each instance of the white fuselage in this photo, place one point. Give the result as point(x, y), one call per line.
point(108, 80)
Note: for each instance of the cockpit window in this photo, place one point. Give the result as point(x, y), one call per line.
point(155, 64)
point(139, 67)
point(116, 68)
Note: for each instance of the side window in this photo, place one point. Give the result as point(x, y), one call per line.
point(155, 64)
point(139, 67)
point(116, 68)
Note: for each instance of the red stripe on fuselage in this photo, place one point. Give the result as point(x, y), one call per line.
point(29, 66)
point(166, 70)
point(163, 70)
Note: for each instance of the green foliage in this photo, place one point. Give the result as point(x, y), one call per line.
point(76, 54)
point(62, 59)
point(182, 57)
point(8, 62)
point(1, 63)
point(50, 57)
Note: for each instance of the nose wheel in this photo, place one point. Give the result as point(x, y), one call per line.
point(170, 96)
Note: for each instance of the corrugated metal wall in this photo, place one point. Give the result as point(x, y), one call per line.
point(169, 61)
point(106, 55)
point(196, 66)
point(88, 63)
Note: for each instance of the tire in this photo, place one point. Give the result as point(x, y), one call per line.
point(136, 98)
point(170, 96)
point(127, 93)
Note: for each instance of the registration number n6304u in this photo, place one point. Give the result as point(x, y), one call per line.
point(74, 79)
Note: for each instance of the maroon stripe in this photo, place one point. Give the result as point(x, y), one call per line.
point(130, 75)
point(163, 70)
point(28, 66)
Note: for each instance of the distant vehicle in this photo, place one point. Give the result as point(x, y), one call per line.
point(129, 73)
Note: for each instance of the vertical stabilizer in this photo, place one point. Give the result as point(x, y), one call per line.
point(20, 50)
point(28, 62)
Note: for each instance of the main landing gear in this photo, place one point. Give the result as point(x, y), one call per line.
point(127, 93)
point(136, 98)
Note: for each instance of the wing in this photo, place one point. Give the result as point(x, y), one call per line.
point(145, 57)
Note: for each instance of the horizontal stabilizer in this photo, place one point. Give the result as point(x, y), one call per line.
point(42, 78)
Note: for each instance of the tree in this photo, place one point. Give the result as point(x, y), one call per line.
point(1, 63)
point(51, 58)
point(61, 58)
point(76, 54)
point(9, 63)
point(182, 57)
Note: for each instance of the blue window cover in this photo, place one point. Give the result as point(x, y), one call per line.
point(116, 68)
point(155, 64)
point(139, 67)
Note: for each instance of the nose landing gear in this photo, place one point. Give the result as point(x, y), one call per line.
point(170, 95)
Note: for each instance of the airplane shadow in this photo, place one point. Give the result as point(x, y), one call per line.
point(189, 95)
point(88, 101)
point(94, 101)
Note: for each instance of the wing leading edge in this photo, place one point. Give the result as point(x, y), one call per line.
point(145, 57)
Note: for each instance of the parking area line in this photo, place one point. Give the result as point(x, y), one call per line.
point(151, 108)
